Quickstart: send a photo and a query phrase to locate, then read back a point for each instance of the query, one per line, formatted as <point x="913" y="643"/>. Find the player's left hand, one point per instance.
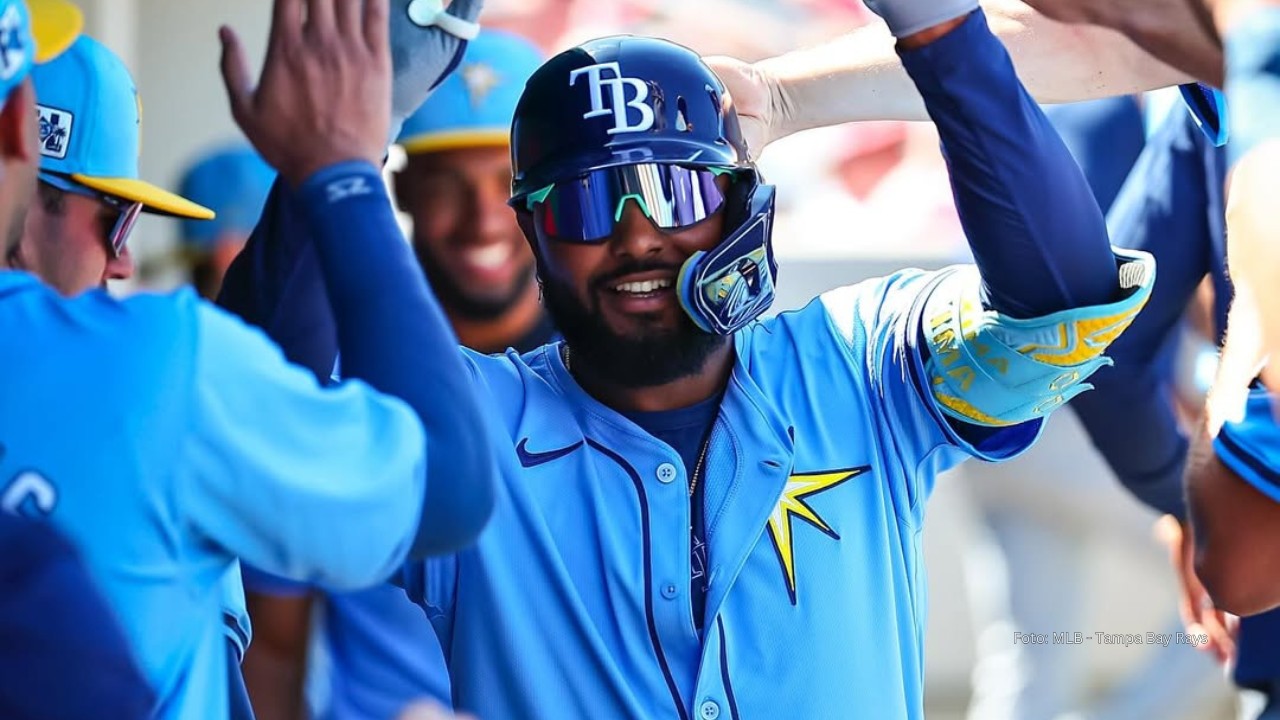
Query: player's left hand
<point x="758" y="98"/>
<point x="1199" y="615"/>
<point x="423" y="56"/>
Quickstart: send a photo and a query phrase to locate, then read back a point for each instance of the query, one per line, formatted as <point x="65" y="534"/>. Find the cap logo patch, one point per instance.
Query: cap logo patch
<point x="620" y="106"/>
<point x="13" y="46"/>
<point x="55" y="131"/>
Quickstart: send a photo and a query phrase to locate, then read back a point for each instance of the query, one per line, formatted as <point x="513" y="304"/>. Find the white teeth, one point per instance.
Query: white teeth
<point x="489" y="256"/>
<point x="644" y="286"/>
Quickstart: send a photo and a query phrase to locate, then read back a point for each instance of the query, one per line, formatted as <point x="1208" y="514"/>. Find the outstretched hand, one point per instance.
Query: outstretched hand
<point x="324" y="95"/>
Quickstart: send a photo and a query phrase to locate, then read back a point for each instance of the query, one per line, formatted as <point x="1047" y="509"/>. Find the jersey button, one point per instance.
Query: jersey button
<point x="666" y="473"/>
<point x="670" y="591"/>
<point x="709" y="710"/>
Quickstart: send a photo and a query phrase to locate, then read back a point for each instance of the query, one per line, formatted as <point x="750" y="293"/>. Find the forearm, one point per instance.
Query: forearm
<point x="393" y="334"/>
<point x="859" y="76"/>
<point x="1032" y="223"/>
<point x="276" y="285"/>
<point x="1131" y="422"/>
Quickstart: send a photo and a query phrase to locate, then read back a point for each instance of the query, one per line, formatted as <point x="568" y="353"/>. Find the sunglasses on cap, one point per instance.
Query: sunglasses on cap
<point x="585" y="209"/>
<point x="117" y="223"/>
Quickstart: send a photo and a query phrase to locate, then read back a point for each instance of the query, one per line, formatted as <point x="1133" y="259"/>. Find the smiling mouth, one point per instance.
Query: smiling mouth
<point x="642" y="287"/>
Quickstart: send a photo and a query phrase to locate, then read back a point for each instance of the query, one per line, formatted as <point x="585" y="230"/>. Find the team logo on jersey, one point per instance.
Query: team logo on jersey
<point x="13" y="46"/>
<point x="794" y="504"/>
<point x="55" y="131"/>
<point x="29" y="494"/>
<point x="609" y="75"/>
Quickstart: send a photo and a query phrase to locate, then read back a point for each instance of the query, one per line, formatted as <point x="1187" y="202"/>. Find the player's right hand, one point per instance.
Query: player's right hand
<point x="324" y="96"/>
<point x="1199" y="615"/>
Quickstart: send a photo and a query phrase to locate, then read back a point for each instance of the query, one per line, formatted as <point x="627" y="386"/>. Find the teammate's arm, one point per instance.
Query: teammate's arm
<point x="390" y="329"/>
<point x="860" y="77"/>
<point x="1233" y="487"/>
<point x="1251" y="33"/>
<point x="1163" y="208"/>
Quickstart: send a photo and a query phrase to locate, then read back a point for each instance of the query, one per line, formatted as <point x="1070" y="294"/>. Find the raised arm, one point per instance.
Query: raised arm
<point x="860" y="77"/>
<point x="391" y="331"/>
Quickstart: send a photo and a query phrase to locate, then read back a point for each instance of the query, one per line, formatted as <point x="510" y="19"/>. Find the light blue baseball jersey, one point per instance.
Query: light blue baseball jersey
<point x="575" y="601"/>
<point x="1251" y="446"/>
<point x="166" y="439"/>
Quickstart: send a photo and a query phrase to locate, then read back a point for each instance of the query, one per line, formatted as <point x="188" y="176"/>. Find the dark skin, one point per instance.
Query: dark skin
<point x="467" y="241"/>
<point x="1237" y="529"/>
<point x="589" y="271"/>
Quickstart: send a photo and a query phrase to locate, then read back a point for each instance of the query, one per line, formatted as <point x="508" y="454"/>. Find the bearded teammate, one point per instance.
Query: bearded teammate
<point x="703" y="514"/>
<point x="161" y="503"/>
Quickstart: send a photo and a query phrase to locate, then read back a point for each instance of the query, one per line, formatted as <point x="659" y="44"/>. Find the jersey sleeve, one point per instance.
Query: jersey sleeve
<point x="879" y="324"/>
<point x="1250" y="446"/>
<point x="320" y="485"/>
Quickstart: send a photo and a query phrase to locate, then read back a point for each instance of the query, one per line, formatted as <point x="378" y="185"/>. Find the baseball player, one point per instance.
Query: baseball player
<point x="233" y="182"/>
<point x="703" y="514"/>
<point x="76" y="234"/>
<point x="57" y="627"/>
<point x="383" y="653"/>
<point x="175" y="467"/>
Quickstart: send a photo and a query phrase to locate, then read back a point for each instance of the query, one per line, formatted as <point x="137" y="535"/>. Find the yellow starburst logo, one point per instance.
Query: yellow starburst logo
<point x="793" y="504"/>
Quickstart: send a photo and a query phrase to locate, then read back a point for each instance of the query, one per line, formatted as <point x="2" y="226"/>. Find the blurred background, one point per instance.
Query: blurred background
<point x="1049" y="543"/>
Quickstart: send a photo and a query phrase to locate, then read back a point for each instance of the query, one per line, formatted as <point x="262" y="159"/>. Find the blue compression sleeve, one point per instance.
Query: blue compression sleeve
<point x="393" y="334"/>
<point x="276" y="285"/>
<point x="1253" y="80"/>
<point x="1105" y="137"/>
<point x="1031" y="220"/>
<point x="1171" y="206"/>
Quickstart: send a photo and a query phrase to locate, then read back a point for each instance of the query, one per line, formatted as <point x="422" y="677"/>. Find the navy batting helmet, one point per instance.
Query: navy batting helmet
<point x="641" y="119"/>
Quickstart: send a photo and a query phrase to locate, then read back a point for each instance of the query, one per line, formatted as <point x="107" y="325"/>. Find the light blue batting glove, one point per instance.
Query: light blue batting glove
<point x="907" y="17"/>
<point x="426" y="44"/>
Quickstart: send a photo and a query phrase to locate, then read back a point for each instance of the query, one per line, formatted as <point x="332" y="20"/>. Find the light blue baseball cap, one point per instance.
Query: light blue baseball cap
<point x="234" y="182"/>
<point x="474" y="106"/>
<point x="33" y="32"/>
<point x="90" y="121"/>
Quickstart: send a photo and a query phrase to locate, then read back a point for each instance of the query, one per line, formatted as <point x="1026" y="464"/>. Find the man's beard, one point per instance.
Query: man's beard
<point x="653" y="358"/>
<point x="462" y="304"/>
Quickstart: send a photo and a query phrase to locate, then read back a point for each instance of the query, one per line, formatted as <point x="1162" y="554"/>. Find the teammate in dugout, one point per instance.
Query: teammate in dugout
<point x="382" y="650"/>
<point x="172" y="478"/>
<point x="706" y="514"/>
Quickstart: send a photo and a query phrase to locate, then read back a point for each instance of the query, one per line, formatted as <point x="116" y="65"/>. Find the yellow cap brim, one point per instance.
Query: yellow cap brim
<point x="441" y="141"/>
<point x="55" y="25"/>
<point x="153" y="199"/>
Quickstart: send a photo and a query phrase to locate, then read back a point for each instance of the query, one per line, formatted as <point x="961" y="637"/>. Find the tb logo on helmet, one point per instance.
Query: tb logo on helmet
<point x="618" y="91"/>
